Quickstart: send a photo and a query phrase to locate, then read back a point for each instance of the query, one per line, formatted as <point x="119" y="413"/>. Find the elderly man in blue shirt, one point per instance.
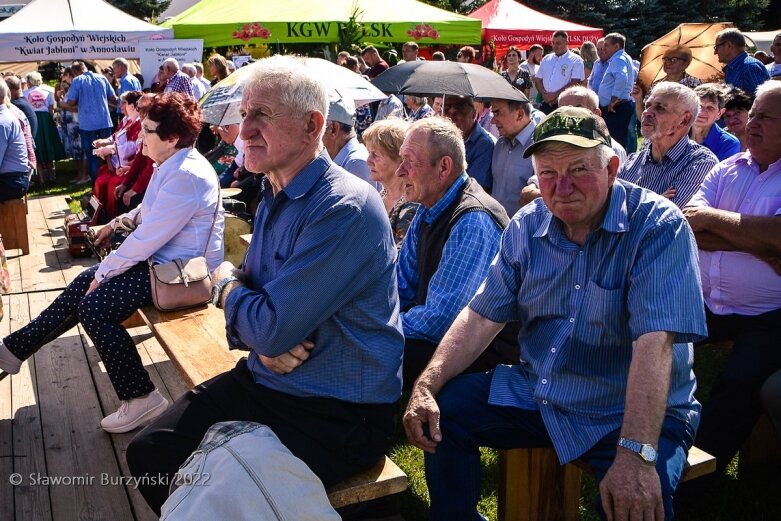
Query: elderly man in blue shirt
<point x="602" y="275"/>
<point x="315" y="302"/>
<point x="615" y="102"/>
<point x="449" y="245"/>
<point x="479" y="143"/>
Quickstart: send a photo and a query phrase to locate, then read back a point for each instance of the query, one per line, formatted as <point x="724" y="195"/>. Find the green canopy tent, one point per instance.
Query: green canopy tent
<point x="237" y="22"/>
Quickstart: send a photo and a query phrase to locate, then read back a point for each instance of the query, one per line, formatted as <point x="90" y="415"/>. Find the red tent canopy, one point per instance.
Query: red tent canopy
<point x="507" y="23"/>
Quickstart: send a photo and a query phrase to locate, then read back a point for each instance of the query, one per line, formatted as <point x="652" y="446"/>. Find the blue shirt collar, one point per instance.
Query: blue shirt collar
<point x="616" y="218"/>
<point x="307" y="177"/>
<point x="475" y="134"/>
<point x="740" y="58"/>
<point x="429" y="215"/>
<point x="674" y="154"/>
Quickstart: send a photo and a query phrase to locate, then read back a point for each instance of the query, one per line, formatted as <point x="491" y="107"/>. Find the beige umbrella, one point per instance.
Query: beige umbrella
<point x="699" y="38"/>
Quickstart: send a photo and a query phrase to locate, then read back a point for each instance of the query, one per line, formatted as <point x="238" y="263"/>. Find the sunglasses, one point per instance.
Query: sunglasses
<point x="672" y="60"/>
<point x="715" y="47"/>
<point x="148" y="130"/>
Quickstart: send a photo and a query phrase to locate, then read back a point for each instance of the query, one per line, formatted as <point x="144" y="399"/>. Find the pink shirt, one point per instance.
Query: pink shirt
<point x="736" y="282"/>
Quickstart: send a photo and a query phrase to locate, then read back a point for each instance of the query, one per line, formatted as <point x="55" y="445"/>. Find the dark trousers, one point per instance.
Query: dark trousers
<point x="734" y="404"/>
<point x="468" y="422"/>
<point x="504" y="349"/>
<point x="618" y="121"/>
<point x="13" y="185"/>
<point x="547" y="108"/>
<point x="101" y="314"/>
<point x="336" y="439"/>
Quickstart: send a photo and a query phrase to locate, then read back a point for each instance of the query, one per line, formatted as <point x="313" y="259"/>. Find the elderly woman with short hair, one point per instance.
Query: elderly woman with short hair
<point x="180" y="217"/>
<point x="383" y="140"/>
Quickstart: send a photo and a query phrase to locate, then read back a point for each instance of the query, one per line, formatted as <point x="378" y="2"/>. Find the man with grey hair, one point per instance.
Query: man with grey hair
<point x="602" y="275"/>
<point x="177" y="81"/>
<point x="14" y="164"/>
<point x="449" y="245"/>
<point x="614" y="90"/>
<point x="669" y="162"/>
<point x="341" y="141"/>
<point x="198" y="89"/>
<point x="509" y="169"/>
<point x="318" y="279"/>
<point x="20" y="102"/>
<point x="740" y="70"/>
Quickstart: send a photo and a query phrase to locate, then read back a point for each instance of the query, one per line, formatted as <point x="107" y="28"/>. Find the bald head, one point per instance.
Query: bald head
<point x="580" y="97"/>
<point x="14" y="85"/>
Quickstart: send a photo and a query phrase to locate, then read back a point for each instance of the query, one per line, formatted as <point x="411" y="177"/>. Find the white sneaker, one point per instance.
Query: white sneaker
<point x="134" y="412"/>
<point x="8" y="362"/>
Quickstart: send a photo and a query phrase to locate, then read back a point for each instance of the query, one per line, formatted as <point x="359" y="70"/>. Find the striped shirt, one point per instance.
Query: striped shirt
<point x="683" y="167"/>
<point x="582" y="307"/>
<point x="745" y="72"/>
<point x="472" y="244"/>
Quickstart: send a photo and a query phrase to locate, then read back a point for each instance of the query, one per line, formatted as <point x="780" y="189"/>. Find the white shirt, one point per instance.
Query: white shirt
<point x="556" y="72"/>
<point x="774" y="69"/>
<point x="174" y="218"/>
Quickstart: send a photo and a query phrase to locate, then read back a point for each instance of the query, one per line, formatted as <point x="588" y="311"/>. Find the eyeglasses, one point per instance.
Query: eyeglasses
<point x="672" y="60"/>
<point x="148" y="130"/>
<point x="718" y="44"/>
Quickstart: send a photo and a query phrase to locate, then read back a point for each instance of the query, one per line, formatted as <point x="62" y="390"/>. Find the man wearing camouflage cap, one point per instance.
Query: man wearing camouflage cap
<point x="603" y="276"/>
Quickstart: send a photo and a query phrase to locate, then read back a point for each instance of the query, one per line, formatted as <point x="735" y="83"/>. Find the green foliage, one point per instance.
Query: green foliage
<point x="144" y="9"/>
<point x="351" y="32"/>
<point x="456" y="6"/>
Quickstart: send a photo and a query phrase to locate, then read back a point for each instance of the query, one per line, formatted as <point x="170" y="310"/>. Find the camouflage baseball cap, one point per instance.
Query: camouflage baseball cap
<point x="573" y="125"/>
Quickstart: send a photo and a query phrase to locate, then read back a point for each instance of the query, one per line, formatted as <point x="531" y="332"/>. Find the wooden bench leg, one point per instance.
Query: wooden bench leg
<point x="13" y="225"/>
<point x="534" y="486"/>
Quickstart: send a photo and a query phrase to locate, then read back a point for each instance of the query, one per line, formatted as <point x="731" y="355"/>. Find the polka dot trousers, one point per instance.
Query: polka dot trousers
<point x="101" y="313"/>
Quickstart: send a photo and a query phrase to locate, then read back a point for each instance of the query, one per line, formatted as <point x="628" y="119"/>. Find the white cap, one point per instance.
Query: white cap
<point x="341" y="110"/>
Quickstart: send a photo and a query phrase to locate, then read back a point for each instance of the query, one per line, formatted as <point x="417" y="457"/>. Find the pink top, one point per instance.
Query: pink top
<point x="736" y="282"/>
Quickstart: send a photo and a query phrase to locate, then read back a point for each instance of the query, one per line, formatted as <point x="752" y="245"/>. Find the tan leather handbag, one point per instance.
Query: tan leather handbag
<point x="183" y="283"/>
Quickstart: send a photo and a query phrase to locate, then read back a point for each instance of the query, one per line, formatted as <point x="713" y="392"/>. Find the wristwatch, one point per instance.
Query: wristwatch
<point x="646" y="451"/>
<point x="218" y="288"/>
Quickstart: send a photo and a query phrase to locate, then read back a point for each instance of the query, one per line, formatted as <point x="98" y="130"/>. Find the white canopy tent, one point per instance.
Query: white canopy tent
<point x="762" y="40"/>
<point x="62" y="30"/>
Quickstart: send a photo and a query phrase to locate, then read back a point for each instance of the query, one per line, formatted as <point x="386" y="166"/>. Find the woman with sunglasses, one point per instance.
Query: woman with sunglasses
<point x="675" y="61"/>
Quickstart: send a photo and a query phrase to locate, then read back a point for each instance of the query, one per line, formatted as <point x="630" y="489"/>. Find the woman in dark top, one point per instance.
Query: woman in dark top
<point x="517" y="77"/>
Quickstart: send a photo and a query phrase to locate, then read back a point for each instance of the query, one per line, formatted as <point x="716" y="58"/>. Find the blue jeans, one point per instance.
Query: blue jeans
<point x="468" y="422"/>
<point x="87" y="137"/>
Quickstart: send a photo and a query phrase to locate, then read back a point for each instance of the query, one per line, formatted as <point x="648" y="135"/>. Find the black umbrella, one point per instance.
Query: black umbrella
<point x="430" y="78"/>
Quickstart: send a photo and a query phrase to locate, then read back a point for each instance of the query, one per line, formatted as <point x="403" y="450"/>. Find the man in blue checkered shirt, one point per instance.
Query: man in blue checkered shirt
<point x="449" y="245"/>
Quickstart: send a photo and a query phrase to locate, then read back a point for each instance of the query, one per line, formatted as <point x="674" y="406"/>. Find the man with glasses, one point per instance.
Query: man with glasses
<point x="557" y="71"/>
<point x="741" y="70"/>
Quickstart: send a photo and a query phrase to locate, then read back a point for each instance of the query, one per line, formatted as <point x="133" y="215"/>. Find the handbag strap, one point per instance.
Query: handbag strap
<point x="214" y="218"/>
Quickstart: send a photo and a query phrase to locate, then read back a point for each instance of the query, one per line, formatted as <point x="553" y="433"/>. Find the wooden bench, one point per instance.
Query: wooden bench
<point x="195" y="342"/>
<point x="13" y="225"/>
<point x="533" y="485"/>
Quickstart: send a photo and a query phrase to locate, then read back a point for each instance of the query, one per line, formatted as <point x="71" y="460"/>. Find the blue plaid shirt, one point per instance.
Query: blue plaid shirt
<point x="473" y="242"/>
<point x="683" y="167"/>
<point x="320" y="266"/>
<point x="746" y="72"/>
<point x="581" y="308"/>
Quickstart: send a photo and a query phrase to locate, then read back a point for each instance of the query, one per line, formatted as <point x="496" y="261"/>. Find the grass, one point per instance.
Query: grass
<point x="66" y="171"/>
<point x="748" y="494"/>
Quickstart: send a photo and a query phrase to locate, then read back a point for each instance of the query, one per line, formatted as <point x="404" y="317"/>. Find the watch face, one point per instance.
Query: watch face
<point x="648" y="453"/>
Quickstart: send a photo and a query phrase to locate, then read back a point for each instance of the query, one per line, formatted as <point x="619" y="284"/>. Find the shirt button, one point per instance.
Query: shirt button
<point x="577" y="286"/>
<point x="552" y="349"/>
<point x="265" y="267"/>
<point x="580" y="252"/>
<point x="545" y="402"/>
<point x="544" y="381"/>
<point x="571" y="320"/>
